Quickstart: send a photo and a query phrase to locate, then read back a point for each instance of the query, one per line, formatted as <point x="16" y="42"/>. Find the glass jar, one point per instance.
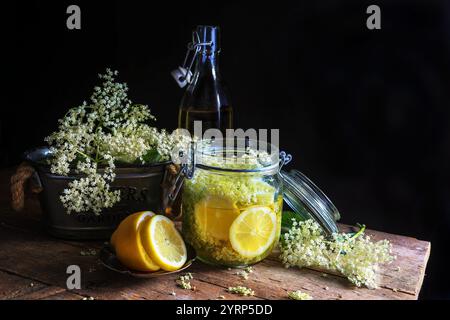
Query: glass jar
<point x="232" y="203"/>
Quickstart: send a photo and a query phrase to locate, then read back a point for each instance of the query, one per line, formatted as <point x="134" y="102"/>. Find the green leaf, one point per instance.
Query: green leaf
<point x="152" y="156"/>
<point x="288" y="217"/>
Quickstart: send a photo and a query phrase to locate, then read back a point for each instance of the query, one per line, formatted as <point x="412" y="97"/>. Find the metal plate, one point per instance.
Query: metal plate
<point x="110" y="261"/>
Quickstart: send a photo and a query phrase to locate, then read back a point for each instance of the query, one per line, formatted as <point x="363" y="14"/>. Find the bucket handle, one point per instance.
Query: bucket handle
<point x="18" y="183"/>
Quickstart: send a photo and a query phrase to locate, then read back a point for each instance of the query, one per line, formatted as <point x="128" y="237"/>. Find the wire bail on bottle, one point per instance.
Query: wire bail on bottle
<point x="187" y="169"/>
<point x="183" y="74"/>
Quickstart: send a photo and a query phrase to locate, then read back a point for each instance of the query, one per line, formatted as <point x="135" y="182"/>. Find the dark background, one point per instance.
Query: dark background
<point x="365" y="113"/>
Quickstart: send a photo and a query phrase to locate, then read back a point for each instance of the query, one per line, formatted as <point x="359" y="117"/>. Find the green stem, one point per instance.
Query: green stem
<point x="96" y="154"/>
<point x="362" y="228"/>
<point x="84" y="155"/>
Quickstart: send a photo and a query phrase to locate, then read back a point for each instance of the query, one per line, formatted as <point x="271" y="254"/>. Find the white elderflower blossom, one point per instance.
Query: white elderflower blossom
<point x="91" y="191"/>
<point x="299" y="295"/>
<point x="353" y="255"/>
<point x="241" y="290"/>
<point x="184" y="282"/>
<point x="94" y="137"/>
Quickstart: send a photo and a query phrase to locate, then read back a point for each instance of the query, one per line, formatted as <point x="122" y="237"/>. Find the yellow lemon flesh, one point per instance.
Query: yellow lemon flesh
<point x="164" y="243"/>
<point x="253" y="231"/>
<point x="127" y="243"/>
<point x="265" y="199"/>
<point x="215" y="215"/>
<point x="266" y="194"/>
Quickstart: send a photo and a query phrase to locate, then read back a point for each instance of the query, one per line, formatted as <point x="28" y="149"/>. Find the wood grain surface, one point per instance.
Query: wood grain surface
<point x="33" y="266"/>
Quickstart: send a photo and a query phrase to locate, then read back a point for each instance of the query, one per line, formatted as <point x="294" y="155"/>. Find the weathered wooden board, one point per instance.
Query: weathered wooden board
<point x="33" y="266"/>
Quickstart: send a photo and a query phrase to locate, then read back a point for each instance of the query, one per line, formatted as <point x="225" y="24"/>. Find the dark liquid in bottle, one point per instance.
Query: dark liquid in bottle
<point x="218" y="119"/>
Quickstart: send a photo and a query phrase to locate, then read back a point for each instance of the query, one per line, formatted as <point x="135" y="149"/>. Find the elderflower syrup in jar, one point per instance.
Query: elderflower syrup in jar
<point x="232" y="203"/>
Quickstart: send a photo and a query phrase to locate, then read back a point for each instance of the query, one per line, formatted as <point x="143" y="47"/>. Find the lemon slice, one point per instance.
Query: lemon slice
<point x="128" y="245"/>
<point x="164" y="243"/>
<point x="264" y="193"/>
<point x="253" y="231"/>
<point x="214" y="216"/>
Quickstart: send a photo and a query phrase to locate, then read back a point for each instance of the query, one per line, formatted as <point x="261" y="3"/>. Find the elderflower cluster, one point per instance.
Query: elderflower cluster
<point x="356" y="257"/>
<point x="94" y="137"/>
<point x="90" y="191"/>
<point x="243" y="291"/>
<point x="184" y="282"/>
<point x="244" y="274"/>
<point x="299" y="295"/>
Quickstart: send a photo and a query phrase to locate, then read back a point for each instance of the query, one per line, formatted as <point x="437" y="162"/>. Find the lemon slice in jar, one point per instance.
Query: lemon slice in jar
<point x="264" y="193"/>
<point x="214" y="216"/>
<point x="253" y="231"/>
<point x="163" y="243"/>
<point x="265" y="198"/>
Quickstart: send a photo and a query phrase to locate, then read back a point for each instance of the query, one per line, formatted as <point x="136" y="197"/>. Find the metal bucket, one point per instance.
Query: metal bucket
<point x="140" y="188"/>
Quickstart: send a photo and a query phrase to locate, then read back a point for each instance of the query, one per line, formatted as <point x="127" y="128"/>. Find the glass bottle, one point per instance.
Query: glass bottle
<point x="206" y="99"/>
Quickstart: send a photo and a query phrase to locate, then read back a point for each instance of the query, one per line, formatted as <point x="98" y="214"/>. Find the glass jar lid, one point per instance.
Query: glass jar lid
<point x="308" y="201"/>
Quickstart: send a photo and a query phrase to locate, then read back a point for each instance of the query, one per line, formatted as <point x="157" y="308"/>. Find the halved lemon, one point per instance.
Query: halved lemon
<point x="214" y="216"/>
<point x="128" y="245"/>
<point x="253" y="231"/>
<point x="164" y="243"/>
<point x="135" y="218"/>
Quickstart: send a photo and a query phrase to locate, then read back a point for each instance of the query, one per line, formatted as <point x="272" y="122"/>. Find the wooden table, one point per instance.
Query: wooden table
<point x="33" y="266"/>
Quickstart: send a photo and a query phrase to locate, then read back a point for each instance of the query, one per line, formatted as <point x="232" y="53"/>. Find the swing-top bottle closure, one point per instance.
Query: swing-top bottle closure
<point x="183" y="73"/>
